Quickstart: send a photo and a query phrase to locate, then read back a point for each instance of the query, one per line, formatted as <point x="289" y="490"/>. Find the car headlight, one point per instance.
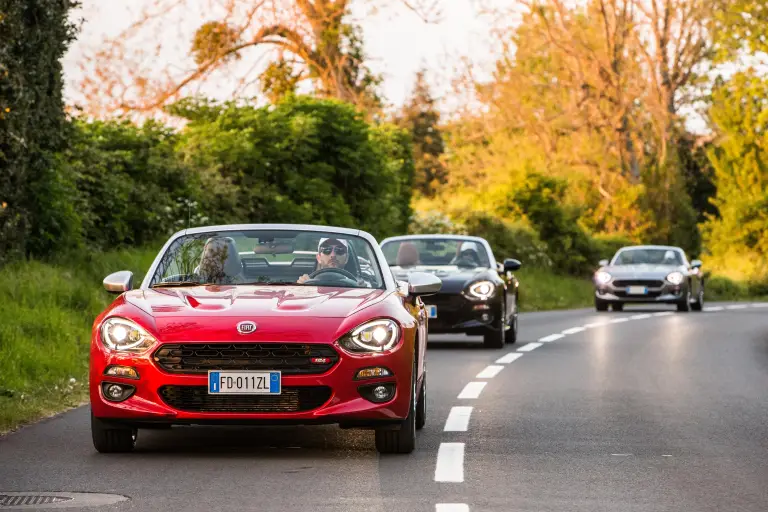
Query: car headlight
<point x="374" y="336"/>
<point x="482" y="289"/>
<point x="123" y="335"/>
<point x="675" y="277"/>
<point x="602" y="277"/>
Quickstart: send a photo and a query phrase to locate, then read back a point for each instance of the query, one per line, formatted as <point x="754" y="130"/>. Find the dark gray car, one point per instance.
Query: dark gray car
<point x="649" y="274"/>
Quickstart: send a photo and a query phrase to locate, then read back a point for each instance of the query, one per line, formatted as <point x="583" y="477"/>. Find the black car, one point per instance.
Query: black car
<point x="479" y="296"/>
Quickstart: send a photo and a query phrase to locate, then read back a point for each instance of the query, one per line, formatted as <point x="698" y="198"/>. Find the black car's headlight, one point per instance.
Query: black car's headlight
<point x="481" y="290"/>
<point x="675" y="277"/>
<point x="375" y="336"/>
<point x="123" y="335"/>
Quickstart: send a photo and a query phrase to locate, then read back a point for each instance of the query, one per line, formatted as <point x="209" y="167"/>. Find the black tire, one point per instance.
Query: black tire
<point x="108" y="438"/>
<point x="494" y="337"/>
<point x="617" y="306"/>
<point x="403" y="440"/>
<point x="684" y="305"/>
<point x="601" y="305"/>
<point x="699" y="304"/>
<point x="421" y="405"/>
<point x="510" y="336"/>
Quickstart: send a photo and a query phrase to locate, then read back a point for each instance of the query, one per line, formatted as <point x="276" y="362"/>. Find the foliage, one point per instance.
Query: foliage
<point x="34" y="210"/>
<point x="303" y="160"/>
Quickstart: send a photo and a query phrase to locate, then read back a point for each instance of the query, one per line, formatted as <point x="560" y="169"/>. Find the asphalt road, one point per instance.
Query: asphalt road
<point x="659" y="412"/>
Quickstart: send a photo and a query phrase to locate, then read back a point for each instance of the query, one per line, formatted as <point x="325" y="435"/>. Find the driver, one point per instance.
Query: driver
<point x="331" y="253"/>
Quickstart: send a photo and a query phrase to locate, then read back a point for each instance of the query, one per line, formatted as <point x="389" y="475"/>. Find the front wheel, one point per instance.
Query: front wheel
<point x="511" y="335"/>
<point x="601" y="305"/>
<point x="698" y="305"/>
<point x="403" y="440"/>
<point x="421" y="405"/>
<point x="111" y="438"/>
<point x="685" y="305"/>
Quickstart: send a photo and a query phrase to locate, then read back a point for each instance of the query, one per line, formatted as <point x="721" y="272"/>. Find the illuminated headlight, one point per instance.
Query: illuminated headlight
<point x="675" y="278"/>
<point x="375" y="336"/>
<point x="123" y="335"/>
<point x="482" y="289"/>
<point x="602" y="277"/>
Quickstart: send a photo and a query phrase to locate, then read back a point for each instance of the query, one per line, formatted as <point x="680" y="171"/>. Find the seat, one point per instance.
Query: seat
<point x="407" y="255"/>
<point x="220" y="262"/>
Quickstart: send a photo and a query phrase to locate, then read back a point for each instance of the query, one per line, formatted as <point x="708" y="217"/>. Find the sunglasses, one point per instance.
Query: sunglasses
<point x="328" y="249"/>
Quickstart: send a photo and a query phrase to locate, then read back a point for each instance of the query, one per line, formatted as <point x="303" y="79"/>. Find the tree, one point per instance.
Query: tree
<point x="311" y="38"/>
<point x="421" y="118"/>
<point x="35" y="212"/>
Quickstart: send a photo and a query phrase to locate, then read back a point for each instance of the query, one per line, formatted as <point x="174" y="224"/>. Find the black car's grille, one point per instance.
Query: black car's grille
<point x="289" y="358"/>
<point x="446" y="302"/>
<point x="291" y="399"/>
<point x="650" y="283"/>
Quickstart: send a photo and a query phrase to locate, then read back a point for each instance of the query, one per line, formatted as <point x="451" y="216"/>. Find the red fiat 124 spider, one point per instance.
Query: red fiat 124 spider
<point x="262" y="324"/>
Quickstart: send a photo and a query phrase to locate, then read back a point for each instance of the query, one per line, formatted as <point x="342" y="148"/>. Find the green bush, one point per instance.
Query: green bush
<point x="722" y="288"/>
<point x="509" y="239"/>
<point x="605" y="246"/>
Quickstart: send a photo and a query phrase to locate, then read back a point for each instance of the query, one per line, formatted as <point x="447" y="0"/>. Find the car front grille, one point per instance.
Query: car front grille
<point x="291" y="399"/>
<point x="651" y="293"/>
<point x="650" y="283"/>
<point x="289" y="358"/>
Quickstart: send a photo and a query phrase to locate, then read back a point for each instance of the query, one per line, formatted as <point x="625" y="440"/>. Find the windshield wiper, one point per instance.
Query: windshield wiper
<point x="172" y="284"/>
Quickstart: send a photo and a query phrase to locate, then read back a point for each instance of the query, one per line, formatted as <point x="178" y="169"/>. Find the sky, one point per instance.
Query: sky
<point x="397" y="41"/>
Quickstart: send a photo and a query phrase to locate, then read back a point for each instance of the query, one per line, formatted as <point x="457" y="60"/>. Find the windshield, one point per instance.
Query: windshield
<point x="648" y="257"/>
<point x="432" y="252"/>
<point x="309" y="258"/>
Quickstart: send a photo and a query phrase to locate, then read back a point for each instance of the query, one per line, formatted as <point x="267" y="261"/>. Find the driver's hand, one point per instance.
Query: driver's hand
<point x="303" y="278"/>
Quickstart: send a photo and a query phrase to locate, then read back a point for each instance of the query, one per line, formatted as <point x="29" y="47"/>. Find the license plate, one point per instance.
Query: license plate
<point x="431" y="311"/>
<point x="244" y="383"/>
<point x="637" y="290"/>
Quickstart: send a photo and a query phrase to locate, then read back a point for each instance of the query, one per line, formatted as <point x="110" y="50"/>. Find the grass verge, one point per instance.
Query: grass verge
<point x="541" y="290"/>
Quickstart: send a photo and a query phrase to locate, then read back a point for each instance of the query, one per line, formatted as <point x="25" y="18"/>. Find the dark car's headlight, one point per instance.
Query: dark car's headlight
<point x="602" y="277"/>
<point x="123" y="335"/>
<point x="481" y="290"/>
<point x="374" y="336"/>
<point x="675" y="277"/>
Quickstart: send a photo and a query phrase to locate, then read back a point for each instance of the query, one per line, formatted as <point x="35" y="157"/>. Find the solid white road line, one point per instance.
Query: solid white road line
<point x="760" y="305"/>
<point x="640" y="317"/>
<point x="552" y="337"/>
<point x="458" y="419"/>
<point x="472" y="390"/>
<point x="512" y="356"/>
<point x="619" y="320"/>
<point x="713" y="308"/>
<point x="489" y="372"/>
<point x="451" y="507"/>
<point x="450" y="463"/>
<point x="664" y="313"/>
<point x="737" y="306"/>
<point x="594" y="324"/>
<point x="573" y="330"/>
<point x="528" y="347"/>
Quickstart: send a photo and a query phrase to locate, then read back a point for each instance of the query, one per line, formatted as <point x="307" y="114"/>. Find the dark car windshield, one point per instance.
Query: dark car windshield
<point x="436" y="252"/>
<point x="648" y="257"/>
<point x="286" y="257"/>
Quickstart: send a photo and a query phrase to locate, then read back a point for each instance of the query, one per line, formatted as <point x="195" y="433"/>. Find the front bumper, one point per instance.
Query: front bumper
<point x="456" y="313"/>
<point x="334" y="396"/>
<point x="656" y="291"/>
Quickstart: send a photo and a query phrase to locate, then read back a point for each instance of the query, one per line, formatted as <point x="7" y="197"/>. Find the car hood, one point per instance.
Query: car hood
<point x="641" y="271"/>
<point x="454" y="279"/>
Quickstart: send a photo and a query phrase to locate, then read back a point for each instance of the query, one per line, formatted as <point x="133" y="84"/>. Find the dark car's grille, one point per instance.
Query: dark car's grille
<point x="289" y="358"/>
<point x="291" y="399"/>
<point x="446" y="302"/>
<point x="650" y="283"/>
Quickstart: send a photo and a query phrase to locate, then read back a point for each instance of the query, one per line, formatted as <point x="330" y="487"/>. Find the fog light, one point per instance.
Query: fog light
<point x="485" y="317"/>
<point x="380" y="393"/>
<point x="372" y="373"/>
<point x="125" y="372"/>
<point x="116" y="392"/>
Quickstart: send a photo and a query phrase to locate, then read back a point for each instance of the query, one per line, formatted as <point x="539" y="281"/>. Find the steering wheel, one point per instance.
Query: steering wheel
<point x="340" y="274"/>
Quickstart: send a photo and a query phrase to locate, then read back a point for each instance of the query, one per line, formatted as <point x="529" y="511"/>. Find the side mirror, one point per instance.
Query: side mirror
<point x="421" y="283"/>
<point x="696" y="264"/>
<point x="119" y="282"/>
<point x="602" y="263"/>
<point x="510" y="265"/>
<point x="499" y="267"/>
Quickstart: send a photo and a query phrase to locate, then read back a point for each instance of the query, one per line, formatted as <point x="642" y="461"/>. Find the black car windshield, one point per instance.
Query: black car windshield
<point x="447" y="253"/>
<point x="647" y="257"/>
<point x="285" y="257"/>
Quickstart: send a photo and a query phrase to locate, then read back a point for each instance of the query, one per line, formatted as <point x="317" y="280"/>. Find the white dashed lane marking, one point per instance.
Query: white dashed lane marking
<point x="472" y="390"/>
<point x="663" y="313"/>
<point x="451" y="507"/>
<point x="528" y="347"/>
<point x="737" y="306"/>
<point x="489" y="372"/>
<point x="619" y="320"/>
<point x="640" y="317"/>
<point x="760" y="305"/>
<point x="450" y="463"/>
<point x="551" y="337"/>
<point x="512" y="356"/>
<point x="458" y="419"/>
<point x="573" y="330"/>
<point x="714" y="308"/>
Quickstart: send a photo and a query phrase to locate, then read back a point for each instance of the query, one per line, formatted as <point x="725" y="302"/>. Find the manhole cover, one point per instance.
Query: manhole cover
<point x="52" y="500"/>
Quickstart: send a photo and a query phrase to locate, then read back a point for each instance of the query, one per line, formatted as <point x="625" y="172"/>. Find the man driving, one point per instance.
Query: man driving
<point x="331" y="253"/>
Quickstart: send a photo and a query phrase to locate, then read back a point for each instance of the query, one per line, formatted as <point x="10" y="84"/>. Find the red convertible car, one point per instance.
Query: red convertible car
<point x="262" y="324"/>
